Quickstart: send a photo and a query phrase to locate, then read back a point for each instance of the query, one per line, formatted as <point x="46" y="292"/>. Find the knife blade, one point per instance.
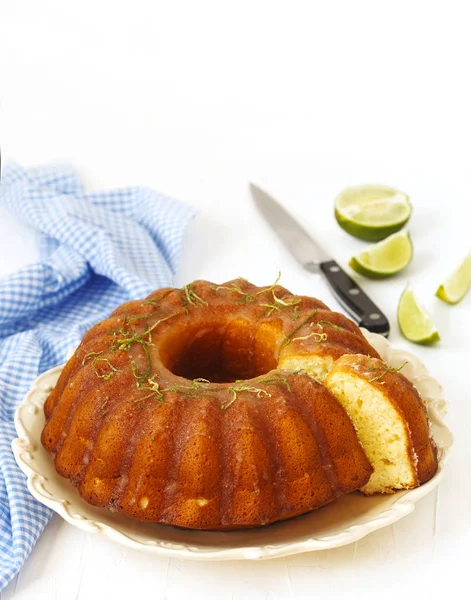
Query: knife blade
<point x="314" y="259"/>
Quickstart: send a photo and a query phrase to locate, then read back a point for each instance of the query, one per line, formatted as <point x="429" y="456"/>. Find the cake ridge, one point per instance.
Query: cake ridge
<point x="274" y="485"/>
<point x="268" y="434"/>
<point x="121" y="411"/>
<point x="309" y="416"/>
<point x="107" y="402"/>
<point x="76" y="377"/>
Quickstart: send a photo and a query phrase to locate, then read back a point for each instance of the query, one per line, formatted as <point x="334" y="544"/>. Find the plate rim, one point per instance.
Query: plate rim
<point x="26" y="450"/>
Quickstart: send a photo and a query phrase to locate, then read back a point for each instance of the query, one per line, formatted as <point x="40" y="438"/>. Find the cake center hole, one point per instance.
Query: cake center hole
<point x="221" y="352"/>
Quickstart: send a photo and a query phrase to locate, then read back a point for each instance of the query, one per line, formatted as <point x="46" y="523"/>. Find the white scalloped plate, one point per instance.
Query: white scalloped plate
<point x="344" y="521"/>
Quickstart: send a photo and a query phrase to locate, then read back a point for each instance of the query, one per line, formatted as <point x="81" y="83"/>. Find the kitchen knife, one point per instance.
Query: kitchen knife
<point x="315" y="260"/>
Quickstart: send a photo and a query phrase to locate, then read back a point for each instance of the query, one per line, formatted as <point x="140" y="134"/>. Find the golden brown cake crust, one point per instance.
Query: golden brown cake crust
<point x="174" y="409"/>
<point x="407" y="400"/>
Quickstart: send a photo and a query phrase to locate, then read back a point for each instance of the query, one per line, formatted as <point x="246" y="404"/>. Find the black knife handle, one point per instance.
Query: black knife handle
<point x="350" y="295"/>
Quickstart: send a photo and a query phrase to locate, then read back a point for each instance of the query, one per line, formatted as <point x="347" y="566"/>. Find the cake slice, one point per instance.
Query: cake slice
<point x="391" y="421"/>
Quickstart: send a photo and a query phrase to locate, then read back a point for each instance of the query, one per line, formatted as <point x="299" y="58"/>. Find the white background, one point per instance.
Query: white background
<point x="304" y="98"/>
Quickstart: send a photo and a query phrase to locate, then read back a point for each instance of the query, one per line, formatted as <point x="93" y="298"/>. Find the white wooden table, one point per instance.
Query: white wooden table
<point x="198" y="98"/>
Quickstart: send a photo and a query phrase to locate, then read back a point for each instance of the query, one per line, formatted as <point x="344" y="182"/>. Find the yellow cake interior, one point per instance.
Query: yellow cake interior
<point x="381" y="430"/>
<point x="316" y="366"/>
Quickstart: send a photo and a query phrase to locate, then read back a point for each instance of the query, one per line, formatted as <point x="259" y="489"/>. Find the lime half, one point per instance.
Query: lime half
<point x="415" y="323"/>
<point x="372" y="212"/>
<point x="457" y="284"/>
<point x="385" y="258"/>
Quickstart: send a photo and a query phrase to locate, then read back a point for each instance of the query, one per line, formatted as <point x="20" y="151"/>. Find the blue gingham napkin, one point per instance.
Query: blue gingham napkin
<point x="97" y="250"/>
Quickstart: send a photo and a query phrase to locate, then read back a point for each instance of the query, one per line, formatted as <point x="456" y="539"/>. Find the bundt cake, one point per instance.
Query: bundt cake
<point x="203" y="407"/>
<point x="390" y="419"/>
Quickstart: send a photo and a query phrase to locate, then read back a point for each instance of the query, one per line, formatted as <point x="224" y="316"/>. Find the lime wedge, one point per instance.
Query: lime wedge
<point x="385" y="258"/>
<point x="372" y="212"/>
<point x="415" y="323"/>
<point x="457" y="284"/>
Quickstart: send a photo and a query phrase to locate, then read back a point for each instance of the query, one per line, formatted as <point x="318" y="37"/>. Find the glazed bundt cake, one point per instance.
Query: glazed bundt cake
<point x="390" y="419"/>
<point x="204" y="408"/>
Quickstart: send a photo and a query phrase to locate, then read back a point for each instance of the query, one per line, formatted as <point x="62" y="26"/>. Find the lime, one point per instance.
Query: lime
<point x="457" y="284"/>
<point x="415" y="323"/>
<point x="385" y="258"/>
<point x="372" y="212"/>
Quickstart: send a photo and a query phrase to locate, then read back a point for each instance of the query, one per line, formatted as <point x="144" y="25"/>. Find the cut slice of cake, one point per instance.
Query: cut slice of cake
<point x="391" y="422"/>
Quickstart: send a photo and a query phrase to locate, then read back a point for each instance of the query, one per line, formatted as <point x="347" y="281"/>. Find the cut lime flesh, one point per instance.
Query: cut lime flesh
<point x="415" y="323"/>
<point x="372" y="212"/>
<point x="385" y="258"/>
<point x="456" y="286"/>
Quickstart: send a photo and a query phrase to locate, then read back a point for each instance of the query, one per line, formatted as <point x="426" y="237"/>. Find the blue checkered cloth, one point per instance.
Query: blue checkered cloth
<point x="97" y="250"/>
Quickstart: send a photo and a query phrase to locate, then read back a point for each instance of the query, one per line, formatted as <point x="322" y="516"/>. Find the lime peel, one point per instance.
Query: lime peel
<point x="456" y="286"/>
